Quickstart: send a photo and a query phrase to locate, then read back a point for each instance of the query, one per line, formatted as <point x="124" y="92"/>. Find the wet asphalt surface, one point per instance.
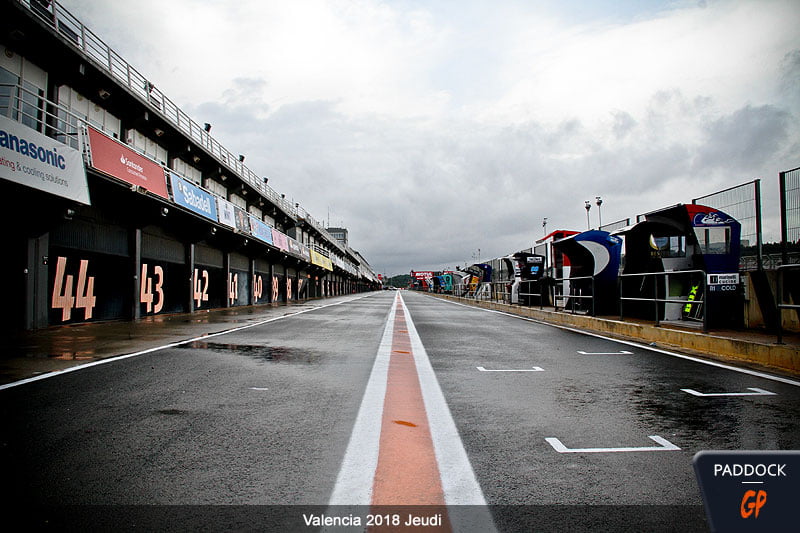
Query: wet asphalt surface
<point x="262" y="417"/>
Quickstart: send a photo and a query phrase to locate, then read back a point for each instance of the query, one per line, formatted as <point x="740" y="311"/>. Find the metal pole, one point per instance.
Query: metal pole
<point x="705" y="304"/>
<point x="655" y="298"/>
<point x="779" y="302"/>
<point x="599" y="202"/>
<point x="784" y="222"/>
<point x="588" y="223"/>
<point x="758" y="224"/>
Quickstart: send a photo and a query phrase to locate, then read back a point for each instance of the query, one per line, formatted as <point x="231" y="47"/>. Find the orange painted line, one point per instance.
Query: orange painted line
<point x="407" y="472"/>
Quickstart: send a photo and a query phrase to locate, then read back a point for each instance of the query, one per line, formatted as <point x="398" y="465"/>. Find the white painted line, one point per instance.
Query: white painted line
<point x="258" y="388"/>
<point x="757" y="392"/>
<point x="533" y="369"/>
<point x="637" y="345"/>
<point x="353" y="487"/>
<point x="623" y="352"/>
<point x="166" y="346"/>
<point x="664" y="445"/>
<point x="459" y="484"/>
<point x="357" y="474"/>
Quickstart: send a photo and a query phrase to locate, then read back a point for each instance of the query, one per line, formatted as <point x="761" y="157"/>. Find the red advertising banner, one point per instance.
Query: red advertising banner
<point x="116" y="159"/>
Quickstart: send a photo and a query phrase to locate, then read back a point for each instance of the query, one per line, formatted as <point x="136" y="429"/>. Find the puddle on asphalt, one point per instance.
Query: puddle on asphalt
<point x="259" y="352"/>
<point x="172" y="412"/>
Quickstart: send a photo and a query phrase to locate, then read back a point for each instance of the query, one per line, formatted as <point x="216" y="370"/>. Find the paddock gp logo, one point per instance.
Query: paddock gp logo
<point x="749" y="491"/>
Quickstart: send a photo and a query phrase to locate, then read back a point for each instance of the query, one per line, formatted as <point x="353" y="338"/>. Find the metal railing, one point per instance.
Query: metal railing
<point x="30" y="109"/>
<point x="691" y="303"/>
<point x="75" y="34"/>
<point x="531" y="295"/>
<point x="780" y="304"/>
<point x="575" y="293"/>
<point x="27" y="107"/>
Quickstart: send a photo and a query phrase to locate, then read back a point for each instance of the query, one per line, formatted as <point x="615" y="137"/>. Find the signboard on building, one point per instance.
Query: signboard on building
<point x="260" y="230"/>
<point x="723" y="282"/>
<point x="193" y="197"/>
<point x="294" y="246"/>
<point x="226" y="213"/>
<point x="29" y="158"/>
<point x="242" y="219"/>
<point x="305" y="253"/>
<point x="115" y="159"/>
<point x="280" y="240"/>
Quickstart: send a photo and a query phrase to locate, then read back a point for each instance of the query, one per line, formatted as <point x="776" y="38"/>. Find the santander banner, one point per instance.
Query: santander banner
<point x="116" y="159"/>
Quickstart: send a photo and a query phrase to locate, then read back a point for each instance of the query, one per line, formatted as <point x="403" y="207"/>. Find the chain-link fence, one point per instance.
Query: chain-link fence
<point x="790" y="213"/>
<point x="743" y="203"/>
<point x="613" y="226"/>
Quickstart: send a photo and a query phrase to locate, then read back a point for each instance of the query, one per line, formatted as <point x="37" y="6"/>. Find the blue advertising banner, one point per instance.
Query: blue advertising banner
<point x="193" y="197"/>
<point x="260" y="230"/>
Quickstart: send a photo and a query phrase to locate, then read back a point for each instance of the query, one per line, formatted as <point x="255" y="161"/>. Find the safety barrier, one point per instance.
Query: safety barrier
<point x="567" y="294"/>
<point x="692" y="305"/>
<point x="575" y="293"/>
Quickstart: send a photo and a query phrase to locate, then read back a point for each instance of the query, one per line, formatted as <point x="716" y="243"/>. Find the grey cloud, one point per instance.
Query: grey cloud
<point x="624" y="123"/>
<point x="746" y="139"/>
<point x="415" y="195"/>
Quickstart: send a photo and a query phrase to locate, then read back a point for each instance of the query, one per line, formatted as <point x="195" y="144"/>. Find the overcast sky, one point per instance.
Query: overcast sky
<point x="432" y="130"/>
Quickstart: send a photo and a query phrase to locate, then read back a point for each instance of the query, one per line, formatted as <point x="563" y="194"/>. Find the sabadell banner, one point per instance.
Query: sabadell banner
<point x="116" y="159"/>
<point x="192" y="197"/>
<point x="29" y="158"/>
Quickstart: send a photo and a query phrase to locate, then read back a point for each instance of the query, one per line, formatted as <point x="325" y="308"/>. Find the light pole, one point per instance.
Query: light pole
<point x="599" y="202"/>
<point x="544" y="225"/>
<point x="588" y="206"/>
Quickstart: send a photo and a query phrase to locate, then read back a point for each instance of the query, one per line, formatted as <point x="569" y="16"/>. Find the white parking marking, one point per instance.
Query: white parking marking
<point x="664" y="445"/>
<point x="533" y="369"/>
<point x="757" y="392"/>
<point x="623" y="352"/>
<point x="636" y="345"/>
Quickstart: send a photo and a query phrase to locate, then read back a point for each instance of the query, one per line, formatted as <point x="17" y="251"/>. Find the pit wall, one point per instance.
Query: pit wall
<point x="759" y="303"/>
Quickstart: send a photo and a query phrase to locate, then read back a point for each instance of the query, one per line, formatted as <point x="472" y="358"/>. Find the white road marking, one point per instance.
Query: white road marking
<point x="623" y="352"/>
<point x="166" y="346"/>
<point x="756" y="392"/>
<point x="356" y="476"/>
<point x="664" y="445"/>
<point x="459" y="483"/>
<point x="533" y="369"/>
<point x="637" y="345"/>
<point x="258" y="388"/>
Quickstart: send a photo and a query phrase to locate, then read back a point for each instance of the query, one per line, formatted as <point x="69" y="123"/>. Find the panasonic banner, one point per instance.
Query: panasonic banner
<point x="29" y="158"/>
<point x="193" y="197"/>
